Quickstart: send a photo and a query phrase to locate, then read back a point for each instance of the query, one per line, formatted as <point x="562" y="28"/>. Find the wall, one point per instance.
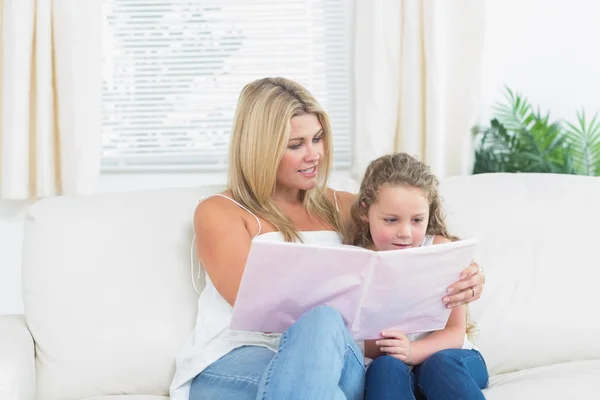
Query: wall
<point x="545" y="49"/>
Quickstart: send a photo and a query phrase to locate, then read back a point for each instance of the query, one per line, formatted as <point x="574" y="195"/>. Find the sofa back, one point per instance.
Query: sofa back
<point x="539" y="247"/>
<point x="109" y="301"/>
<point x="12" y="218"/>
<point x="107" y="290"/>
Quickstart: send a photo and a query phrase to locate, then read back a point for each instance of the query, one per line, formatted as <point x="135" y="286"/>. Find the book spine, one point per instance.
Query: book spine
<point x="372" y="263"/>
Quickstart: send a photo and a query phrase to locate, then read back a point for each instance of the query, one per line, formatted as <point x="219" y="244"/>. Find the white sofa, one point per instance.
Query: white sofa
<point x="109" y="300"/>
<point x="12" y="218"/>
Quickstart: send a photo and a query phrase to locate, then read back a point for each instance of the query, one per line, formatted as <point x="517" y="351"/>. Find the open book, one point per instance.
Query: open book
<point x="374" y="291"/>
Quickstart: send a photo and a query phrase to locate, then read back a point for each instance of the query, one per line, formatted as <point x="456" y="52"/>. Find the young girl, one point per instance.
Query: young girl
<point x="399" y="207"/>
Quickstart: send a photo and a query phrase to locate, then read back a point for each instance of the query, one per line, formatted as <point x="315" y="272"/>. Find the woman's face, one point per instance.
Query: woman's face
<point x="299" y="165"/>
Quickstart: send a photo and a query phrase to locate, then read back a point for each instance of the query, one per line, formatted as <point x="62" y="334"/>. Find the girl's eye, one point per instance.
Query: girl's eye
<point x="418" y="220"/>
<point x="390" y="220"/>
<point x="295" y="146"/>
<point x="317" y="139"/>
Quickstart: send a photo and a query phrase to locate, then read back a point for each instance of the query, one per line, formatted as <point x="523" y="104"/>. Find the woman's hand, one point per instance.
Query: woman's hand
<point x="397" y="345"/>
<point x="467" y="289"/>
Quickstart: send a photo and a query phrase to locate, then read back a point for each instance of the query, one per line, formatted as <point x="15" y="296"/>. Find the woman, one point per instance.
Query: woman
<point x="279" y="164"/>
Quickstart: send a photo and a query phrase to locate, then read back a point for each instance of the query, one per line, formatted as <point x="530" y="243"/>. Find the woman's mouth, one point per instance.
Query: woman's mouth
<point x="309" y="172"/>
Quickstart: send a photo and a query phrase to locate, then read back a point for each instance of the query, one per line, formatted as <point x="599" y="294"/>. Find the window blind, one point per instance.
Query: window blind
<point x="173" y="70"/>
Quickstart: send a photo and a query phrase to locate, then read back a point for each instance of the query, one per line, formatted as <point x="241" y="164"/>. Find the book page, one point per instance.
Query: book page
<point x="407" y="286"/>
<point x="282" y="281"/>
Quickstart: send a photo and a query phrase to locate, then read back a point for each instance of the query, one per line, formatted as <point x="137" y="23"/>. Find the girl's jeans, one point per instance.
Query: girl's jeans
<point x="452" y="374"/>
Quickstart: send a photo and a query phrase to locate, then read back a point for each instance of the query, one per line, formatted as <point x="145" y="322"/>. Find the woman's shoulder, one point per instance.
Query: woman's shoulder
<point x="217" y="206"/>
<point x="343" y="199"/>
<point x="221" y="211"/>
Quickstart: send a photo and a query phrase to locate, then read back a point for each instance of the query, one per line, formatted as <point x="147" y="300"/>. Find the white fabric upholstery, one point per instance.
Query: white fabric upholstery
<point x="12" y="217"/>
<point x="128" y="397"/>
<point x="108" y="298"/>
<point x="573" y="380"/>
<point x="107" y="291"/>
<point x="539" y="248"/>
<point x="17" y="363"/>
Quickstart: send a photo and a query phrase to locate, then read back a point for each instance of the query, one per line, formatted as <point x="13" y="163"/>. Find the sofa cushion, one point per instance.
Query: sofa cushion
<point x="539" y="247"/>
<point x="574" y="380"/>
<point x="128" y="397"/>
<point x="107" y="290"/>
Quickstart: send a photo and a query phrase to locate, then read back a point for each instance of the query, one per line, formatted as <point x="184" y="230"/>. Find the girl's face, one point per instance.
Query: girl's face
<point x="399" y="218"/>
<point x="299" y="166"/>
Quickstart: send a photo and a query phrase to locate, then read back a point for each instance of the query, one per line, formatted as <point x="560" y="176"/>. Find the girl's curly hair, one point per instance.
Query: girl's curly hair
<point x="396" y="169"/>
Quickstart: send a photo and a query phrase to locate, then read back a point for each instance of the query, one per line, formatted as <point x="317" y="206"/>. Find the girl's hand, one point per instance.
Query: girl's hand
<point x="467" y="289"/>
<point x="395" y="344"/>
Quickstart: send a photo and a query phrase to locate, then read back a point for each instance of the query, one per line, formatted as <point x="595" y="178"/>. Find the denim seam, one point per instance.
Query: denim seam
<point x="229" y="377"/>
<point x="269" y="372"/>
<point x="358" y="358"/>
<point x="410" y="383"/>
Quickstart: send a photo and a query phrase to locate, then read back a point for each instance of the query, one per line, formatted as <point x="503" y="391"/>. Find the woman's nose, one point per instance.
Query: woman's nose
<point x="312" y="155"/>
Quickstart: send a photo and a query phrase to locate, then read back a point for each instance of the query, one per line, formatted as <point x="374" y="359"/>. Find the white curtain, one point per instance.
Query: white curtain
<point x="50" y="77"/>
<point x="417" y="80"/>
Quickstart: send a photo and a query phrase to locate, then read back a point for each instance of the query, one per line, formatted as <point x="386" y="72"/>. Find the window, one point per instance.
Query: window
<point x="173" y="70"/>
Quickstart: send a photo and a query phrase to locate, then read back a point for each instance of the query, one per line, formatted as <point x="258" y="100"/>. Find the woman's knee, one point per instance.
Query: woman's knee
<point x="325" y="318"/>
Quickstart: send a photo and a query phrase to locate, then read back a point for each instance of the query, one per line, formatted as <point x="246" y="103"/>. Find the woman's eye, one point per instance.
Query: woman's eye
<point x="317" y="139"/>
<point x="294" y="146"/>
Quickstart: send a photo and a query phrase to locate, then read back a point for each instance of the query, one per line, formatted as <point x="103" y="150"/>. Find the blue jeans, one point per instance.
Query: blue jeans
<point x="452" y="374"/>
<point x="317" y="359"/>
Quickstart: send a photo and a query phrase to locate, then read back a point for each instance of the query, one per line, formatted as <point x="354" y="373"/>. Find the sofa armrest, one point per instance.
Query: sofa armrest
<point x="17" y="359"/>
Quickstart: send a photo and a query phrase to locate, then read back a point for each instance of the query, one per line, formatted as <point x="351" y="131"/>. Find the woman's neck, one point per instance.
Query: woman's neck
<point x="287" y="196"/>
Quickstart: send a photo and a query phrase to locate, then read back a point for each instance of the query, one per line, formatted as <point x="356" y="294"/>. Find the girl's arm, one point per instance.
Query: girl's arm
<point x="414" y="353"/>
<point x="451" y="337"/>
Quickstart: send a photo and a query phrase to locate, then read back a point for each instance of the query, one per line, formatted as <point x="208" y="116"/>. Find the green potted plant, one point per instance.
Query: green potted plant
<point x="522" y="139"/>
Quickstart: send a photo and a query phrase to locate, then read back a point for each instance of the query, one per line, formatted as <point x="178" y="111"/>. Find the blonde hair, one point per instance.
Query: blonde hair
<point x="398" y="169"/>
<point x="260" y="135"/>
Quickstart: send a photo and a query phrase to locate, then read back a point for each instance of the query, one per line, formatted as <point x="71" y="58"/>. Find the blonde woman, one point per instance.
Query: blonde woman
<point x="279" y="164"/>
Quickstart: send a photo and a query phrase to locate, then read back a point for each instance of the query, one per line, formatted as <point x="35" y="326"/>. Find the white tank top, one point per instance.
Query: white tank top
<point x="211" y="338"/>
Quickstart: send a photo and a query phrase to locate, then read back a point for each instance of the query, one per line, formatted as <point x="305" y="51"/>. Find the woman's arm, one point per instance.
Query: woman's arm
<point x="222" y="243"/>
